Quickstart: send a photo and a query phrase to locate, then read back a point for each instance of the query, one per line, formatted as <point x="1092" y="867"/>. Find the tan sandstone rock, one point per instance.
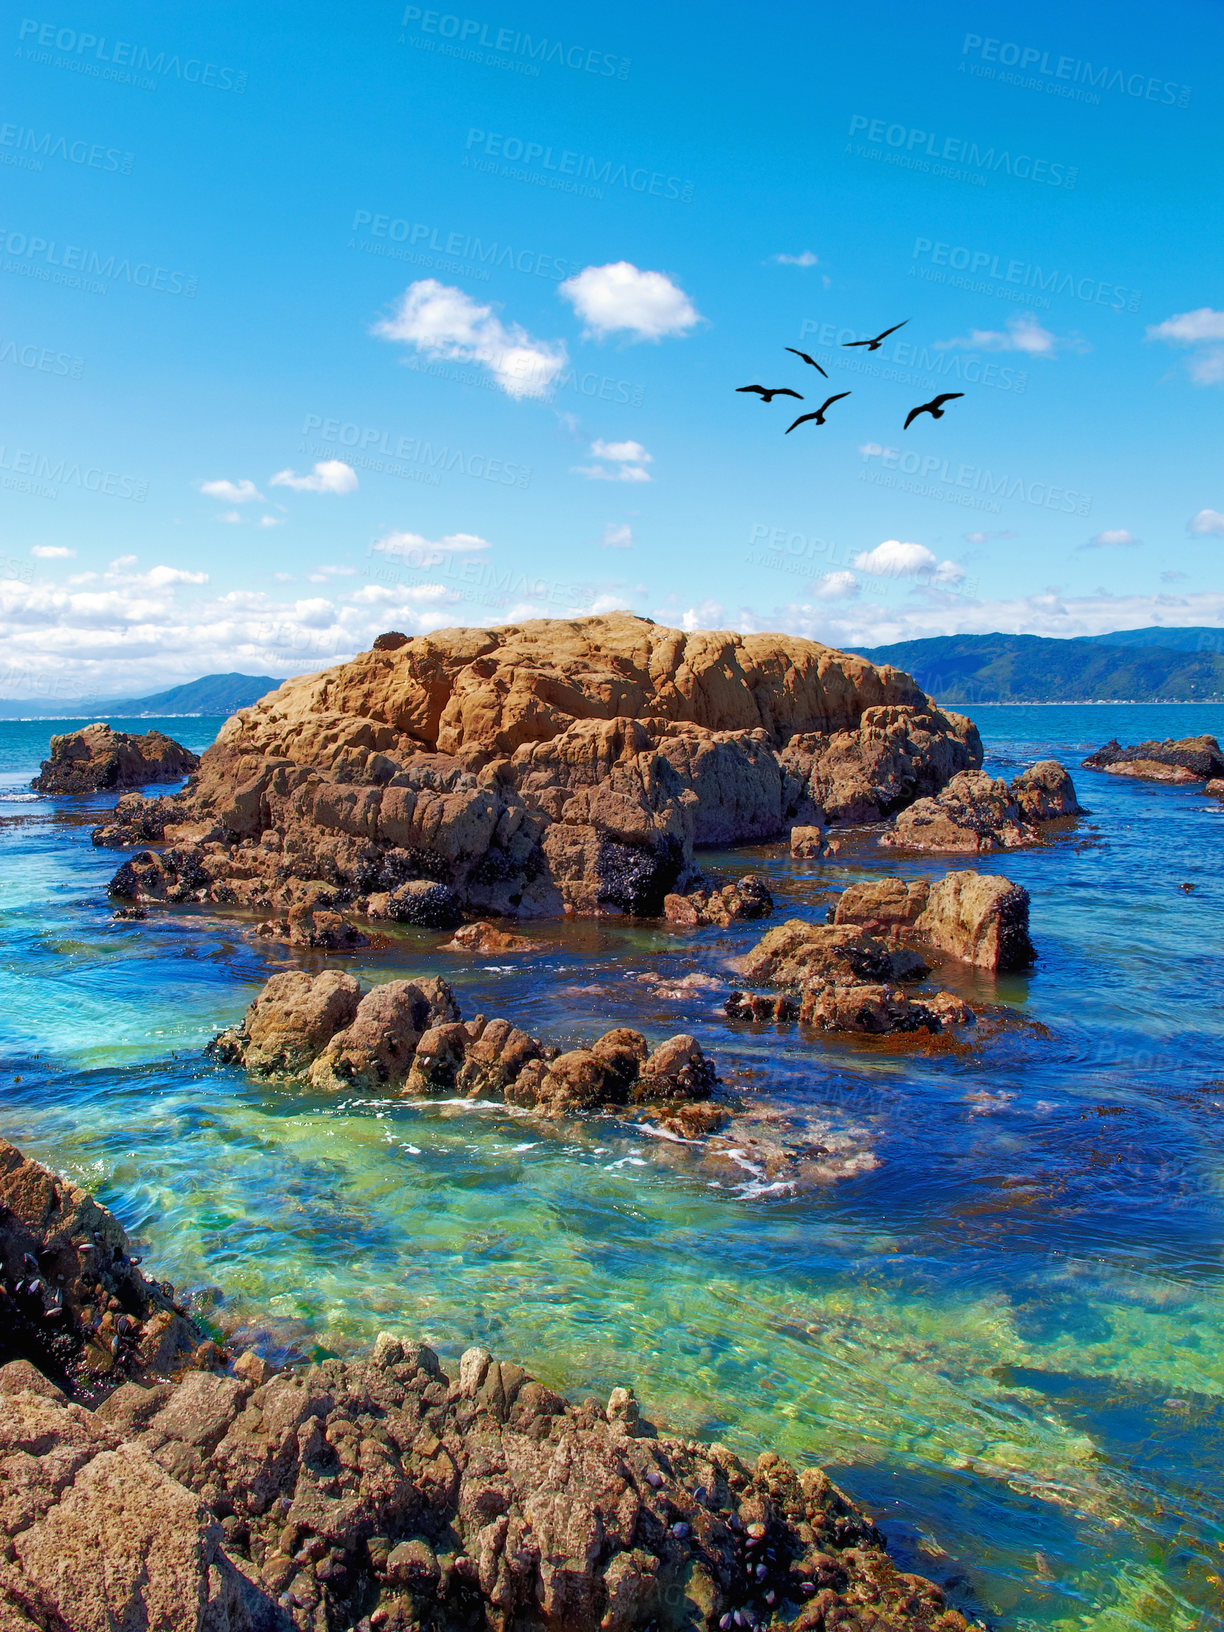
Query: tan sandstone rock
<point x="96" y="758"/>
<point x="977" y="813"/>
<point x="534" y="769"/>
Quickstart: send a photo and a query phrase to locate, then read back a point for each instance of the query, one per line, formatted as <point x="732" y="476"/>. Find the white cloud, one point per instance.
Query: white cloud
<point x="442" y="321"/>
<point x="1201" y="329"/>
<point x="628" y="460"/>
<point x="617" y="536"/>
<point x="621" y="299"/>
<point x="242" y="492"/>
<point x="948" y="573"/>
<point x="1023" y="333"/>
<point x="1114" y="538"/>
<point x="1189" y="328"/>
<point x="893" y="559"/>
<point x="705" y="615"/>
<point x="837" y="586"/>
<point x="232" y="517"/>
<point x="52" y="552"/>
<point x="271" y="521"/>
<point x="163" y="577"/>
<point x="984" y="538"/>
<point x="1206" y="523"/>
<point x="623" y="452"/>
<point x="414" y="545"/>
<point x="1172" y="576"/>
<point x="328" y="476"/>
<point x="875" y="450"/>
<point x="804" y="259"/>
<point x="324" y="574"/>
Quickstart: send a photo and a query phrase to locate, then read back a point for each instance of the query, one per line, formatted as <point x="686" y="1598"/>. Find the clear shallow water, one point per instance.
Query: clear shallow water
<point x="1002" y="1329"/>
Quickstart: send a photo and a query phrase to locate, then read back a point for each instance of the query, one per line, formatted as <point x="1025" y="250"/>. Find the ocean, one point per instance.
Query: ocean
<point x="999" y="1322"/>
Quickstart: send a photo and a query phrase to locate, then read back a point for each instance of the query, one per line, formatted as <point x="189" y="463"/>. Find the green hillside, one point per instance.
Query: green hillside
<point x="996" y="668"/>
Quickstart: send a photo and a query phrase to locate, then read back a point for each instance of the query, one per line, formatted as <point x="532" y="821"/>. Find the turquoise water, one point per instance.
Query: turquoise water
<point x="1000" y="1321"/>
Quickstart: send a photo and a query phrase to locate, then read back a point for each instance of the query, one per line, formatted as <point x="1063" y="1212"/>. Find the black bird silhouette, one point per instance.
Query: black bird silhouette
<point x="818" y="416"/>
<point x="874" y="345"/>
<point x="807" y="359"/>
<point x="935" y="407"/>
<point x="768" y="393"/>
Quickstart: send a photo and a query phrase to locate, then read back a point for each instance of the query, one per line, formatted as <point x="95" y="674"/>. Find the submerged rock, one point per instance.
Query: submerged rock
<point x="408" y="1037"/>
<point x="96" y="758"/>
<point x="554" y="766"/>
<point x="979" y="813"/>
<point x="485" y="938"/>
<point x="748" y="897"/>
<point x="306" y="925"/>
<point x="384" y="1492"/>
<point x="1184" y="759"/>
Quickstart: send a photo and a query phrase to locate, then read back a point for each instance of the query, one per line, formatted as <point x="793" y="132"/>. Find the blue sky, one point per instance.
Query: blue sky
<point x="437" y="317"/>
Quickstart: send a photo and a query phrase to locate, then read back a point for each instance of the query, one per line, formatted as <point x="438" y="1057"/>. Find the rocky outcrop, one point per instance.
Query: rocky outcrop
<point x="1185" y="759"/>
<point x="408" y="1037"/>
<point x="97" y="758"/>
<point x="977" y="813"/>
<point x="535" y="769"/>
<point x="977" y="918"/>
<point x="840" y="977"/>
<point x="856" y="973"/>
<point x="749" y="897"/>
<point x="383" y="1492"/>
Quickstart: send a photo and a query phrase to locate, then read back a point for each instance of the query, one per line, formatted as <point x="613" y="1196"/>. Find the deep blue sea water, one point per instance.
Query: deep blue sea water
<point x="1000" y="1323"/>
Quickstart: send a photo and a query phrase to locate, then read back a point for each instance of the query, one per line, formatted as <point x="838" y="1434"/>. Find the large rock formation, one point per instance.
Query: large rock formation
<point x="539" y="768"/>
<point x="384" y="1493"/>
<point x="1184" y="759"/>
<point x="97" y="758"/>
<point x="408" y="1037"/>
<point x="977" y="813"/>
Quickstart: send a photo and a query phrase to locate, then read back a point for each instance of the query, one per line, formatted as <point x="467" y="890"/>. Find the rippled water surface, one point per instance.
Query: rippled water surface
<point x="999" y="1323"/>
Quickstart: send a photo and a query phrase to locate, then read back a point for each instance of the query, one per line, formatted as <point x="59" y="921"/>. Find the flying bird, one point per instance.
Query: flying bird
<point x="807" y="359"/>
<point x="874" y="345"/>
<point x="768" y="393"/>
<point x="818" y="416"/>
<point x="935" y="407"/>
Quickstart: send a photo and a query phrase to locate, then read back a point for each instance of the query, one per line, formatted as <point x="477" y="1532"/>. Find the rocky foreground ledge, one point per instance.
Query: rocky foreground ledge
<point x="540" y="768"/>
<point x="150" y="1480"/>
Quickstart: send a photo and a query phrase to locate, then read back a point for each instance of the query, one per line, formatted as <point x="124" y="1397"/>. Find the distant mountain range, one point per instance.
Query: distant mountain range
<point x="1131" y="665"/>
<point x="213" y="694"/>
